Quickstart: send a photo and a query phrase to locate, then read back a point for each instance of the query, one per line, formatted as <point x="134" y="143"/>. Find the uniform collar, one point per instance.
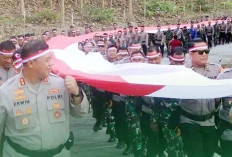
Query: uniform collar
<point x="206" y="67"/>
<point x="23" y="83"/>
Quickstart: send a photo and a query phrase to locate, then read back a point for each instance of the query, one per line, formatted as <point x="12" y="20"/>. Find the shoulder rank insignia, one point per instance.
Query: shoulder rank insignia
<point x="22" y="82"/>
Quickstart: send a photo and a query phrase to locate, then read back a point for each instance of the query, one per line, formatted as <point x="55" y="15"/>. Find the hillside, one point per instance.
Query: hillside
<point x="40" y="16"/>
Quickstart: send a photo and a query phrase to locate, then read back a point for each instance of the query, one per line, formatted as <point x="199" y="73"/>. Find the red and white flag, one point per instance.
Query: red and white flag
<point x="135" y="79"/>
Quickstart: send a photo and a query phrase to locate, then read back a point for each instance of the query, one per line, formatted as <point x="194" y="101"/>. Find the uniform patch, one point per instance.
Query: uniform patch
<point x="28" y="110"/>
<point x="19" y="113"/>
<point x="18" y="91"/>
<point x="54" y="91"/>
<point x="57" y="114"/>
<point x="19" y="97"/>
<point x="56" y="106"/>
<point x="25" y="121"/>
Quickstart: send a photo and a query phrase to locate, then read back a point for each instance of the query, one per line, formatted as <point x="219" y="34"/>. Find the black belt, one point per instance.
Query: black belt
<point x="196" y="117"/>
<point x="35" y="153"/>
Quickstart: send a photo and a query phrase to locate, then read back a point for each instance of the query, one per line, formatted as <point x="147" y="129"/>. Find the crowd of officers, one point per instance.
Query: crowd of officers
<point x="147" y="126"/>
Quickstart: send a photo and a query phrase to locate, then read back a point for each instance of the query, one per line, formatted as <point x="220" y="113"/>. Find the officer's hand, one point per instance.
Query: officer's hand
<point x="71" y="85"/>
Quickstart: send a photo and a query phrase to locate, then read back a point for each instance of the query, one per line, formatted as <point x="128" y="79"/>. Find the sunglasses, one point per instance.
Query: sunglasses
<point x="201" y="52"/>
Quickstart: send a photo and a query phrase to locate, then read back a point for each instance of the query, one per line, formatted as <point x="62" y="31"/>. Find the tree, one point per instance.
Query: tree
<point x="103" y="3"/>
<point x="130" y="8"/>
<point x="22" y="7"/>
<point x="62" y="11"/>
<point x="75" y="3"/>
<point x="81" y="4"/>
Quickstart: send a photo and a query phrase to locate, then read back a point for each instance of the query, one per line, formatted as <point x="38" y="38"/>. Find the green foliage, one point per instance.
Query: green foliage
<point x="45" y="16"/>
<point x="99" y="14"/>
<point x="227" y="4"/>
<point x="205" y="5"/>
<point x="159" y="7"/>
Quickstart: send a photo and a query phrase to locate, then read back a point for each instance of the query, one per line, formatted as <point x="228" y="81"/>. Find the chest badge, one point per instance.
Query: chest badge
<point x="28" y="110"/>
<point x="25" y="121"/>
<point x="56" y="106"/>
<point x="57" y="114"/>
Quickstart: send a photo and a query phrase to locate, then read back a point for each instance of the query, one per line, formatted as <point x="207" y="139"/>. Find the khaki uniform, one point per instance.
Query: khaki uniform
<point x="201" y="107"/>
<point x="197" y="120"/>
<point x="37" y="117"/>
<point x="5" y="75"/>
<point x="226" y="110"/>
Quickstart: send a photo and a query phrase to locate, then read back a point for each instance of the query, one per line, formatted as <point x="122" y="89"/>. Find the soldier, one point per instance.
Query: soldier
<point x="111" y="40"/>
<point x="7" y="49"/>
<point x="222" y="35"/>
<point x="216" y="33"/>
<point x="168" y="37"/>
<point x="203" y="32"/>
<point x="177" y="56"/>
<point x="209" y="33"/>
<point x="35" y="107"/>
<point x="198" y="31"/>
<point x="228" y="31"/>
<point x="186" y="38"/>
<point x="197" y="116"/>
<point x="143" y="39"/>
<point x="225" y="123"/>
<point x="159" y="42"/>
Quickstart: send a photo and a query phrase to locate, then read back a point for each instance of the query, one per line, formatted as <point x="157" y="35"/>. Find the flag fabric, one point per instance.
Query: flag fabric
<point x="135" y="79"/>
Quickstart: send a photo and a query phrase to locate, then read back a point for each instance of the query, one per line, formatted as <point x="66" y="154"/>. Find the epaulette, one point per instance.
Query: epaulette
<point x="227" y="70"/>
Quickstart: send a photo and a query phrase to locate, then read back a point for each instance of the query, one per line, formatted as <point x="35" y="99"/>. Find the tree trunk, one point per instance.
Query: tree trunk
<point x="81" y="4"/>
<point x="111" y="3"/>
<point x="51" y="4"/>
<point x="103" y="3"/>
<point x="130" y="8"/>
<point x="22" y="7"/>
<point x="62" y="11"/>
<point x="75" y="3"/>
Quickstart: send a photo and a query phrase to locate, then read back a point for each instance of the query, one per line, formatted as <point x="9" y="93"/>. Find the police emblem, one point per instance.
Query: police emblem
<point x="54" y="91"/>
<point x="20" y="97"/>
<point x="19" y="113"/>
<point x="57" y="114"/>
<point x="18" y="91"/>
<point x="56" y="106"/>
<point x="25" y="121"/>
<point x="28" y="110"/>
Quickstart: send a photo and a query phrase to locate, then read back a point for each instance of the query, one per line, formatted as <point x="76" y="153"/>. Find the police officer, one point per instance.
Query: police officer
<point x="225" y="123"/>
<point x="222" y="35"/>
<point x="197" y="116"/>
<point x="35" y="107"/>
<point x="159" y="42"/>
<point x="143" y="39"/>
<point x="209" y="34"/>
<point x="7" y="49"/>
